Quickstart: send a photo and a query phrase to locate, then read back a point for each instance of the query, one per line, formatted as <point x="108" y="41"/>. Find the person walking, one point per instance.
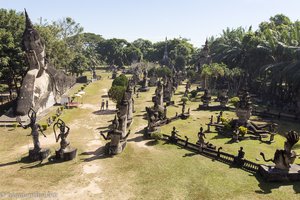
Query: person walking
<point x="102" y="105"/>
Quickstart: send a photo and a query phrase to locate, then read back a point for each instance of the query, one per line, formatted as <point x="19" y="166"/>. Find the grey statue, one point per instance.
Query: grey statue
<point x="64" y="132"/>
<point x="285" y="157"/>
<point x="35" y="128"/>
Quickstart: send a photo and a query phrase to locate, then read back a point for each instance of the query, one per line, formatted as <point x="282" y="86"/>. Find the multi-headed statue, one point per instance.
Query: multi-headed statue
<point x="283" y="158"/>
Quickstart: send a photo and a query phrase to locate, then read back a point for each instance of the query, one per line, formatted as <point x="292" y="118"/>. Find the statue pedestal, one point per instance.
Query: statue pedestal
<point x="35" y="155"/>
<point x="270" y="173"/>
<point x="67" y="154"/>
<point x="114" y="150"/>
<point x="144" y="89"/>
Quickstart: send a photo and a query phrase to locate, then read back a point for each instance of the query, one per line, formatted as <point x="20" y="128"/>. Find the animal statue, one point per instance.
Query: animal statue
<point x="283" y="158"/>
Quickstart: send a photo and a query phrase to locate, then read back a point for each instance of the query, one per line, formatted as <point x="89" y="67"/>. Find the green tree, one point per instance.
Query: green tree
<point x="12" y="58"/>
<point x="117" y="91"/>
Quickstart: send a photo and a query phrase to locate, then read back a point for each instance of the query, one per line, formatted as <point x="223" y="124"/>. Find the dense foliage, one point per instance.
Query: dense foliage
<point x="117" y="90"/>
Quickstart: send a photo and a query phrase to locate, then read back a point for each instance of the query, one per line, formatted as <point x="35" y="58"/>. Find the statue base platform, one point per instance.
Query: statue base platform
<point x="184" y="115"/>
<point x="35" y="155"/>
<point x="270" y="173"/>
<point x="144" y="89"/>
<point x="170" y="103"/>
<point x="114" y="150"/>
<point x="204" y="107"/>
<point x="148" y="132"/>
<point x="68" y="154"/>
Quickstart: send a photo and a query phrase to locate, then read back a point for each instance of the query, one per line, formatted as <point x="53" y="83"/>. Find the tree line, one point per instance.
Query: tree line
<point x="266" y="58"/>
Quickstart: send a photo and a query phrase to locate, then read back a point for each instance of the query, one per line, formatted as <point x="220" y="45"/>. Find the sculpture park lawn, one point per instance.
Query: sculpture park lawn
<point x="145" y="170"/>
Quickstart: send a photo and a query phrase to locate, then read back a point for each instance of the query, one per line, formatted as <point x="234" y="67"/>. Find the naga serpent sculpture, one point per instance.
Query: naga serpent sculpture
<point x="283" y="158"/>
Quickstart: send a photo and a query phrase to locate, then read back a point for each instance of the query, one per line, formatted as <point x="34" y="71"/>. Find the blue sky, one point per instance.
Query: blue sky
<point x="156" y="19"/>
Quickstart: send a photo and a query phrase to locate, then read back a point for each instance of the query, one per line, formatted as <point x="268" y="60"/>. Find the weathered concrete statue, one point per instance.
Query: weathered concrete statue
<point x="65" y="152"/>
<point x="130" y="103"/>
<point x="206" y="98"/>
<point x="244" y="107"/>
<point x="35" y="153"/>
<point x="285" y="157"/>
<point x="118" y="136"/>
<point x="43" y="85"/>
<point x="145" y="87"/>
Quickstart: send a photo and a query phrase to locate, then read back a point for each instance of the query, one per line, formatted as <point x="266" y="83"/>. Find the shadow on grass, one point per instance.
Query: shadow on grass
<point x="219" y="136"/>
<point x="152" y="143"/>
<point x="103" y="127"/>
<point x="189" y="154"/>
<point x="267" y="187"/>
<point x="99" y="153"/>
<point x="104" y="112"/>
<point x="51" y="161"/>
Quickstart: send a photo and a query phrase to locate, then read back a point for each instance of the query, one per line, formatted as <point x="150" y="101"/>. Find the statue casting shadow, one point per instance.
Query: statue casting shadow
<point x="41" y="163"/>
<point x="104" y="112"/>
<point x="97" y="154"/>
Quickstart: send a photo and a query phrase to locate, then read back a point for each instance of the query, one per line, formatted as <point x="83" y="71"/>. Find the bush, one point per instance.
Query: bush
<point x="121" y="80"/>
<point x="184" y="99"/>
<point x="234" y="101"/>
<point x="243" y="130"/>
<point x="224" y="120"/>
<point x="44" y="127"/>
<point x="163" y="71"/>
<point x="116" y="93"/>
<point x="54" y="117"/>
<point x="194" y="93"/>
<point x="156" y="136"/>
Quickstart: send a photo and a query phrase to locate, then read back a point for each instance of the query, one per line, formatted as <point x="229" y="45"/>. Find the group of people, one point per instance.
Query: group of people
<point x="104" y="103"/>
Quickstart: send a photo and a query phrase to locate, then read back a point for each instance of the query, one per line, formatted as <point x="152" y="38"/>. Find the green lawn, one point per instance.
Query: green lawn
<point x="143" y="170"/>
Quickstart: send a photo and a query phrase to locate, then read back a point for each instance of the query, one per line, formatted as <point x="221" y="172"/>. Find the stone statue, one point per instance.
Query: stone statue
<point x="206" y="98"/>
<point x="65" y="152"/>
<point x="244" y="107"/>
<point x="285" y="157"/>
<point x="42" y="85"/>
<point x="118" y="136"/>
<point x="174" y="135"/>
<point x="35" y="153"/>
<point x="201" y="136"/>
<point x="145" y="87"/>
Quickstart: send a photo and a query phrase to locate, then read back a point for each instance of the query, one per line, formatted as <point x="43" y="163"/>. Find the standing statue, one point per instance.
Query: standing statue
<point x="285" y="157"/>
<point x="65" y="152"/>
<point x="201" y="137"/>
<point x="35" y="153"/>
<point x="174" y="135"/>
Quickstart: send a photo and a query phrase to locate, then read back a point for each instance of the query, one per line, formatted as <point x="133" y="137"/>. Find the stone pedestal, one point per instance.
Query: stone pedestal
<point x="150" y="131"/>
<point x="204" y="106"/>
<point x="35" y="155"/>
<point x="144" y="89"/>
<point x="67" y="154"/>
<point x="115" y="149"/>
<point x="270" y="173"/>
<point x="243" y="115"/>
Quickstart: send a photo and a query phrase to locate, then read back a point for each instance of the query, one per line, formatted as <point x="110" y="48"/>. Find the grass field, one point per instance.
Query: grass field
<point x="143" y="170"/>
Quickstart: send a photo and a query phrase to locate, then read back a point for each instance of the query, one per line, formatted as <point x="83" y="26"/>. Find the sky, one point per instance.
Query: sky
<point x="156" y="19"/>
